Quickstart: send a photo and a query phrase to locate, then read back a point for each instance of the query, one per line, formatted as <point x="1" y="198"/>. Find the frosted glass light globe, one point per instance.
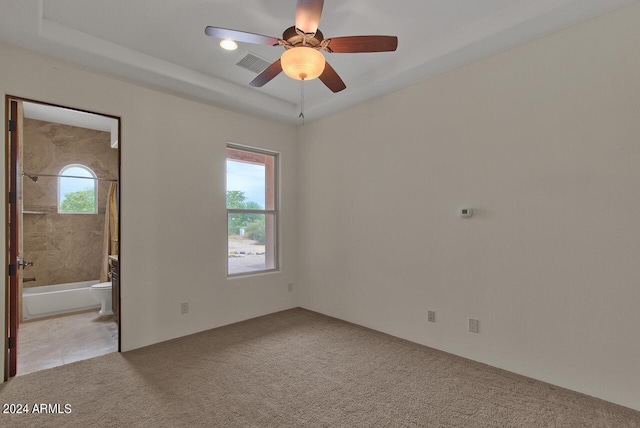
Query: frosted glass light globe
<point x="302" y="63"/>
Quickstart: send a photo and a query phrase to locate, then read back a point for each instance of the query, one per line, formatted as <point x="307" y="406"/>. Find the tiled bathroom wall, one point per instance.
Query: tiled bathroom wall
<point x="63" y="247"/>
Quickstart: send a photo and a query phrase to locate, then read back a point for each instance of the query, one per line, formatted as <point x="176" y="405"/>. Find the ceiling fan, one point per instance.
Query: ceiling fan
<point x="303" y="42"/>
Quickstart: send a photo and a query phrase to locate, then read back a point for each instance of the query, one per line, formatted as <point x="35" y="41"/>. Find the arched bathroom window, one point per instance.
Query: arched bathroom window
<point x="77" y="190"/>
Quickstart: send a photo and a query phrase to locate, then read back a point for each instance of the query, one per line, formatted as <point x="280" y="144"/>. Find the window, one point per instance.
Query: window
<point x="77" y="190"/>
<point x="252" y="212"/>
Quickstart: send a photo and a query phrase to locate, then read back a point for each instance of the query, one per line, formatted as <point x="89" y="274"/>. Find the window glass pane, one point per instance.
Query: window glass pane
<point x="245" y="185"/>
<point x="77" y="195"/>
<point x="251" y="242"/>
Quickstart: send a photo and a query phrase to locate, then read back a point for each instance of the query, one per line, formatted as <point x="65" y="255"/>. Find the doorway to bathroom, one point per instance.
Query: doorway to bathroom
<point x="63" y="283"/>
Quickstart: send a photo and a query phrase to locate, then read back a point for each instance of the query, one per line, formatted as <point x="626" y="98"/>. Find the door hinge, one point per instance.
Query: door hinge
<point x="12" y="343"/>
<point x="12" y="126"/>
<point x="12" y="198"/>
<point x="13" y="270"/>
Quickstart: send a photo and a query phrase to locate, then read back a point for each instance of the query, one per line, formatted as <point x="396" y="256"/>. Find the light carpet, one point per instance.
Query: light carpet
<point x="297" y="369"/>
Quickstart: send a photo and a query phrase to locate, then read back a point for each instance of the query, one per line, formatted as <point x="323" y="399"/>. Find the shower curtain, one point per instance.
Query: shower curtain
<point x="110" y="241"/>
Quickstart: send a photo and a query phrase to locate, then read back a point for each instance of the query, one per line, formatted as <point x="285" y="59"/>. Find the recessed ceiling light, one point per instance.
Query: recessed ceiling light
<point x="229" y="45"/>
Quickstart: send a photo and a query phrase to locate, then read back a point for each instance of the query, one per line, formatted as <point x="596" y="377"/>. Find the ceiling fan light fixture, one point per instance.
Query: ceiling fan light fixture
<point x="302" y="63"/>
<point x="228" y="44"/>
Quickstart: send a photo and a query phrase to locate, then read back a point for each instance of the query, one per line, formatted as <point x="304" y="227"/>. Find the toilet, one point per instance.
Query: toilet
<point x="102" y="293"/>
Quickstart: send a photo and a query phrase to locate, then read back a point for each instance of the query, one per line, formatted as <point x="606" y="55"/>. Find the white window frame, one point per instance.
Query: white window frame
<point x="93" y="177"/>
<point x="266" y="212"/>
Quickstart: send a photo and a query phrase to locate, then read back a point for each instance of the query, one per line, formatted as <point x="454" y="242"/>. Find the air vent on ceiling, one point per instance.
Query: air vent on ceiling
<point x="253" y="63"/>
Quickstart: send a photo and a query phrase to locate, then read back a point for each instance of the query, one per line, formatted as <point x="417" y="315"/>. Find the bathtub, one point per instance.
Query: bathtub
<point x="47" y="300"/>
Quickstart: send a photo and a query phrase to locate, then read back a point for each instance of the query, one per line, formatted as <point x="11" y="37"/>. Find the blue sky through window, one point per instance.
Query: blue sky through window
<point x="248" y="178"/>
<point x="69" y="185"/>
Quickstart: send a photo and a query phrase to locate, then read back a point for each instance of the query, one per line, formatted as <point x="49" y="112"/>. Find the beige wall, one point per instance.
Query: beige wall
<point x="173" y="216"/>
<point x="64" y="248"/>
<point x="543" y="142"/>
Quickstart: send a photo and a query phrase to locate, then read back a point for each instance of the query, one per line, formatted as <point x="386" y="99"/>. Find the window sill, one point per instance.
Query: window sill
<point x="249" y="274"/>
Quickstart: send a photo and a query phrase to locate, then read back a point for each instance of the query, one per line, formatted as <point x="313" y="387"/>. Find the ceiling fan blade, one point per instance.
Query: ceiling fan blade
<point x="331" y="79"/>
<point x="308" y="13"/>
<point x="241" y="36"/>
<point x="265" y="77"/>
<point x="357" y="44"/>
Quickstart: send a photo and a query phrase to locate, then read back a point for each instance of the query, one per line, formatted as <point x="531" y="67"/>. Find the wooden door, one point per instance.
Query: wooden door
<point x="13" y="225"/>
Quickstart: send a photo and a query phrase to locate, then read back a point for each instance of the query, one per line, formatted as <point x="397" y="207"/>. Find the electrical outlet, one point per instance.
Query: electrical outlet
<point x="184" y="308"/>
<point x="474" y="325"/>
<point x="431" y="316"/>
<point x="290" y="287"/>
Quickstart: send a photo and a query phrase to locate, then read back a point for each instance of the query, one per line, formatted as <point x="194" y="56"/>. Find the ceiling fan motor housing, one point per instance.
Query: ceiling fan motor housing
<point x="295" y="39"/>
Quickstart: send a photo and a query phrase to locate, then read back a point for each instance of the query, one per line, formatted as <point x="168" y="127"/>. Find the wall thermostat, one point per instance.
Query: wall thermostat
<point x="466" y="212"/>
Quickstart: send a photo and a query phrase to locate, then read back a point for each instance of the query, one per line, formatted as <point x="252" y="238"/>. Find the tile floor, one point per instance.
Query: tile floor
<point x="52" y="342"/>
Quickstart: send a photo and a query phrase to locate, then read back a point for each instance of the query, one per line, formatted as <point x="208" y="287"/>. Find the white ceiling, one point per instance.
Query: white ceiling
<point x="71" y="117"/>
<point x="162" y="43"/>
<point x="68" y="117"/>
